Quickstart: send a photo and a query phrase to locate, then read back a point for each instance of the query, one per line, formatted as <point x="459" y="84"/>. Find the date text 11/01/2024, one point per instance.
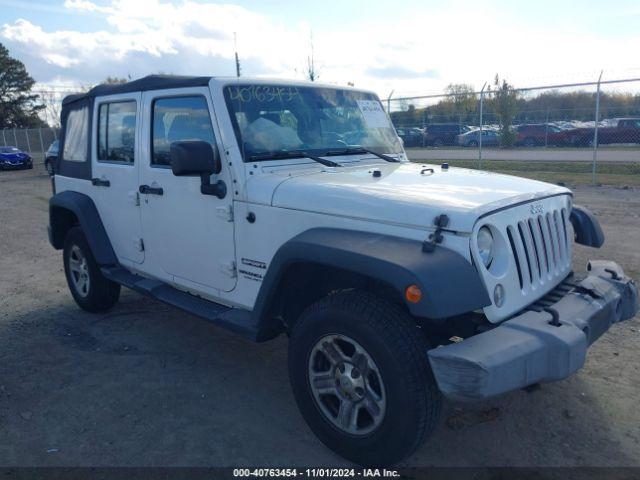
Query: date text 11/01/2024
<point x="316" y="472"/>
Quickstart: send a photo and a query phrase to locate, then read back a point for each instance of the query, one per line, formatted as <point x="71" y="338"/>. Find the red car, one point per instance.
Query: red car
<point x="541" y="134"/>
<point x="617" y="130"/>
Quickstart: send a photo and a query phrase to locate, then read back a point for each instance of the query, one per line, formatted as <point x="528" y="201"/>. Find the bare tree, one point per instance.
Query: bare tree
<point x="52" y="101"/>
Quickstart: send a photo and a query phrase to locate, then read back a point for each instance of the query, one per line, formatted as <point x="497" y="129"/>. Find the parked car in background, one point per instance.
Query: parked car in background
<point x="411" y="137"/>
<point x="615" y="130"/>
<point x="12" y="158"/>
<point x="50" y="156"/>
<point x="441" y="134"/>
<point x="490" y="138"/>
<point x="620" y="130"/>
<point x="541" y="134"/>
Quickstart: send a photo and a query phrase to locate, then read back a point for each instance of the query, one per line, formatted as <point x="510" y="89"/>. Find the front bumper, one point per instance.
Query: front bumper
<point x="546" y="342"/>
<point x="15" y="166"/>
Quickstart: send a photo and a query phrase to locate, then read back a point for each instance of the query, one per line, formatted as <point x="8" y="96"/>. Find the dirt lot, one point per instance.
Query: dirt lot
<point x="148" y="385"/>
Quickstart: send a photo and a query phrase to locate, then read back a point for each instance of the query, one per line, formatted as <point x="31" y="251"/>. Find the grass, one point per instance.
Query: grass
<point x="570" y="173"/>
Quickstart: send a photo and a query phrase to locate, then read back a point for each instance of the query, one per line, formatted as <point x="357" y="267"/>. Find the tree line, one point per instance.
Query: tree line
<point x="462" y="106"/>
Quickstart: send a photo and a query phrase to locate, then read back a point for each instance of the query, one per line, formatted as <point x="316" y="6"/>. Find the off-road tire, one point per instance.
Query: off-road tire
<point x="393" y="340"/>
<point x="102" y="294"/>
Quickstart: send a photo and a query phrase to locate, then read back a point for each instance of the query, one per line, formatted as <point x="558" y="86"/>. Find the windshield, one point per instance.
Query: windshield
<point x="276" y="119"/>
<point x="8" y="150"/>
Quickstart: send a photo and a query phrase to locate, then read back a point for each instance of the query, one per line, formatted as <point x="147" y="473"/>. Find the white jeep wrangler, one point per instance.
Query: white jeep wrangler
<point x="268" y="207"/>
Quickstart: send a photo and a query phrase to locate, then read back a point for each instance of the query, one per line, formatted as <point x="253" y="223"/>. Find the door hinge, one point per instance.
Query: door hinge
<point x="229" y="268"/>
<point x="225" y="212"/>
<point x="139" y="243"/>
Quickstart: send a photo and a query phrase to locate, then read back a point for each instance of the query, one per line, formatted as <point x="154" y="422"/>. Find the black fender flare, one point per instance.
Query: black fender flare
<point x="450" y="284"/>
<point x="586" y="227"/>
<point x="86" y="213"/>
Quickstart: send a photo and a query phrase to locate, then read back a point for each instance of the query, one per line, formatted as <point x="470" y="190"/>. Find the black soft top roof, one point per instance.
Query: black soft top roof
<point x="150" y="82"/>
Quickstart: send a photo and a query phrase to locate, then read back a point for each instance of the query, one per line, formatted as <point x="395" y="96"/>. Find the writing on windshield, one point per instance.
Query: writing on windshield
<point x="284" y="118"/>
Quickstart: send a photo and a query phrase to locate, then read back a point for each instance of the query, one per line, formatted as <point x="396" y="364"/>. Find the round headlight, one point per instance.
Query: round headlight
<point x="485" y="245"/>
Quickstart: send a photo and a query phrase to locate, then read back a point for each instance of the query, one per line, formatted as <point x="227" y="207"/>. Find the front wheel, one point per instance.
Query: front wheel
<point x="89" y="288"/>
<point x="359" y="372"/>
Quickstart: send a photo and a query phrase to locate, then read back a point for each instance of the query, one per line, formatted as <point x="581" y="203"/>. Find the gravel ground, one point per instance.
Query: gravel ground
<point x="148" y="385"/>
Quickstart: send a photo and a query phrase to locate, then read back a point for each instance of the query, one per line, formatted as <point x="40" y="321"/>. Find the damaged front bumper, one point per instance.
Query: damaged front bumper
<point x="546" y="342"/>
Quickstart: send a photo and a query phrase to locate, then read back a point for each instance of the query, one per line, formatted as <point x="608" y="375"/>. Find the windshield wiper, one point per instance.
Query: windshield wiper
<point x="292" y="154"/>
<point x="358" y="149"/>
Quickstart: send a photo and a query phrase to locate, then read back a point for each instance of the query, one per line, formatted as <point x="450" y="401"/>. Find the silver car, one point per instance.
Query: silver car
<point x="490" y="138"/>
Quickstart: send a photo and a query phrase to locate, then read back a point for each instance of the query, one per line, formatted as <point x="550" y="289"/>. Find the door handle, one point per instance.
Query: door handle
<point x="146" y="189"/>
<point x="100" y="182"/>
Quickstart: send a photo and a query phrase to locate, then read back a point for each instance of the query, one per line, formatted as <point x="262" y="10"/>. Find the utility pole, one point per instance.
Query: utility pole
<point x="480" y="139"/>
<point x="311" y="67"/>
<point x="235" y="47"/>
<point x="595" y="133"/>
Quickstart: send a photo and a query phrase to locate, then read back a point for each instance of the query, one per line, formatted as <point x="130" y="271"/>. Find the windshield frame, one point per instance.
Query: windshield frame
<point x="319" y="152"/>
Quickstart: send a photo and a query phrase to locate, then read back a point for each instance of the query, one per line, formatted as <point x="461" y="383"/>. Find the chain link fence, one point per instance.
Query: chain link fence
<point x="584" y="132"/>
<point x="574" y="133"/>
<point x="34" y="141"/>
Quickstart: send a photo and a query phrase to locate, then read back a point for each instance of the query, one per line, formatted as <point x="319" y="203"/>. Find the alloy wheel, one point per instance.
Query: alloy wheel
<point x="346" y="384"/>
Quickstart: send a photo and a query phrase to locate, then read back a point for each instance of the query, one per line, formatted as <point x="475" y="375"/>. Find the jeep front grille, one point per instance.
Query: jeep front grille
<point x="532" y="253"/>
<point x="540" y="247"/>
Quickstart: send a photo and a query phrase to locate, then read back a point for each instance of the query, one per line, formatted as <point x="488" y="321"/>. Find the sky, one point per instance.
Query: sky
<point x="406" y="46"/>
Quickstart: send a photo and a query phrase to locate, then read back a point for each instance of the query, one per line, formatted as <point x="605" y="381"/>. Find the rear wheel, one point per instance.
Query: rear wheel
<point x="529" y="142"/>
<point x="48" y="166"/>
<point x="359" y="372"/>
<point x="89" y="288"/>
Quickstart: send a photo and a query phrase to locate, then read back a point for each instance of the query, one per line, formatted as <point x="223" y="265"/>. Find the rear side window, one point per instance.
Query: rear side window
<point x="117" y="132"/>
<point x="75" y="137"/>
<point x="176" y="120"/>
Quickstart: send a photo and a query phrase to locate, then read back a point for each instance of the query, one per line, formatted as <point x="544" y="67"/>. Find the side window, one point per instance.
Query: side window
<point x="117" y="132"/>
<point x="178" y="119"/>
<point x="75" y="137"/>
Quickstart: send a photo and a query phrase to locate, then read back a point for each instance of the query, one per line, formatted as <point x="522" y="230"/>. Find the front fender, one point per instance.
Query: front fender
<point x="449" y="283"/>
<point x="586" y="227"/>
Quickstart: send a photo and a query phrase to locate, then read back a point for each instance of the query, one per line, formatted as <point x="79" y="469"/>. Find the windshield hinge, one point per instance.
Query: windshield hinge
<point x="429" y="245"/>
<point x="225" y="212"/>
<point x="139" y="244"/>
<point x="229" y="268"/>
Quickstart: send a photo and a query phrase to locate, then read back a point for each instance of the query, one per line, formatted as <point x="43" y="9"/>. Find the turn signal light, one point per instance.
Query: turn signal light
<point x="413" y="294"/>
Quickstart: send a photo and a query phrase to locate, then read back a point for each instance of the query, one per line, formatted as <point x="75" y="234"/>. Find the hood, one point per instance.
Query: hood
<point x="13" y="156"/>
<point x="407" y="193"/>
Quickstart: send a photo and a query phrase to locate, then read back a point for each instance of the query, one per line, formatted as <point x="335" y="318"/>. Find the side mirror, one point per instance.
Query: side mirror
<point x="195" y="158"/>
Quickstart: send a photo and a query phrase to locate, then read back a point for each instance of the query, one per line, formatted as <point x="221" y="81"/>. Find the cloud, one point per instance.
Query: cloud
<point x="398" y="71"/>
<point x="414" y="54"/>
